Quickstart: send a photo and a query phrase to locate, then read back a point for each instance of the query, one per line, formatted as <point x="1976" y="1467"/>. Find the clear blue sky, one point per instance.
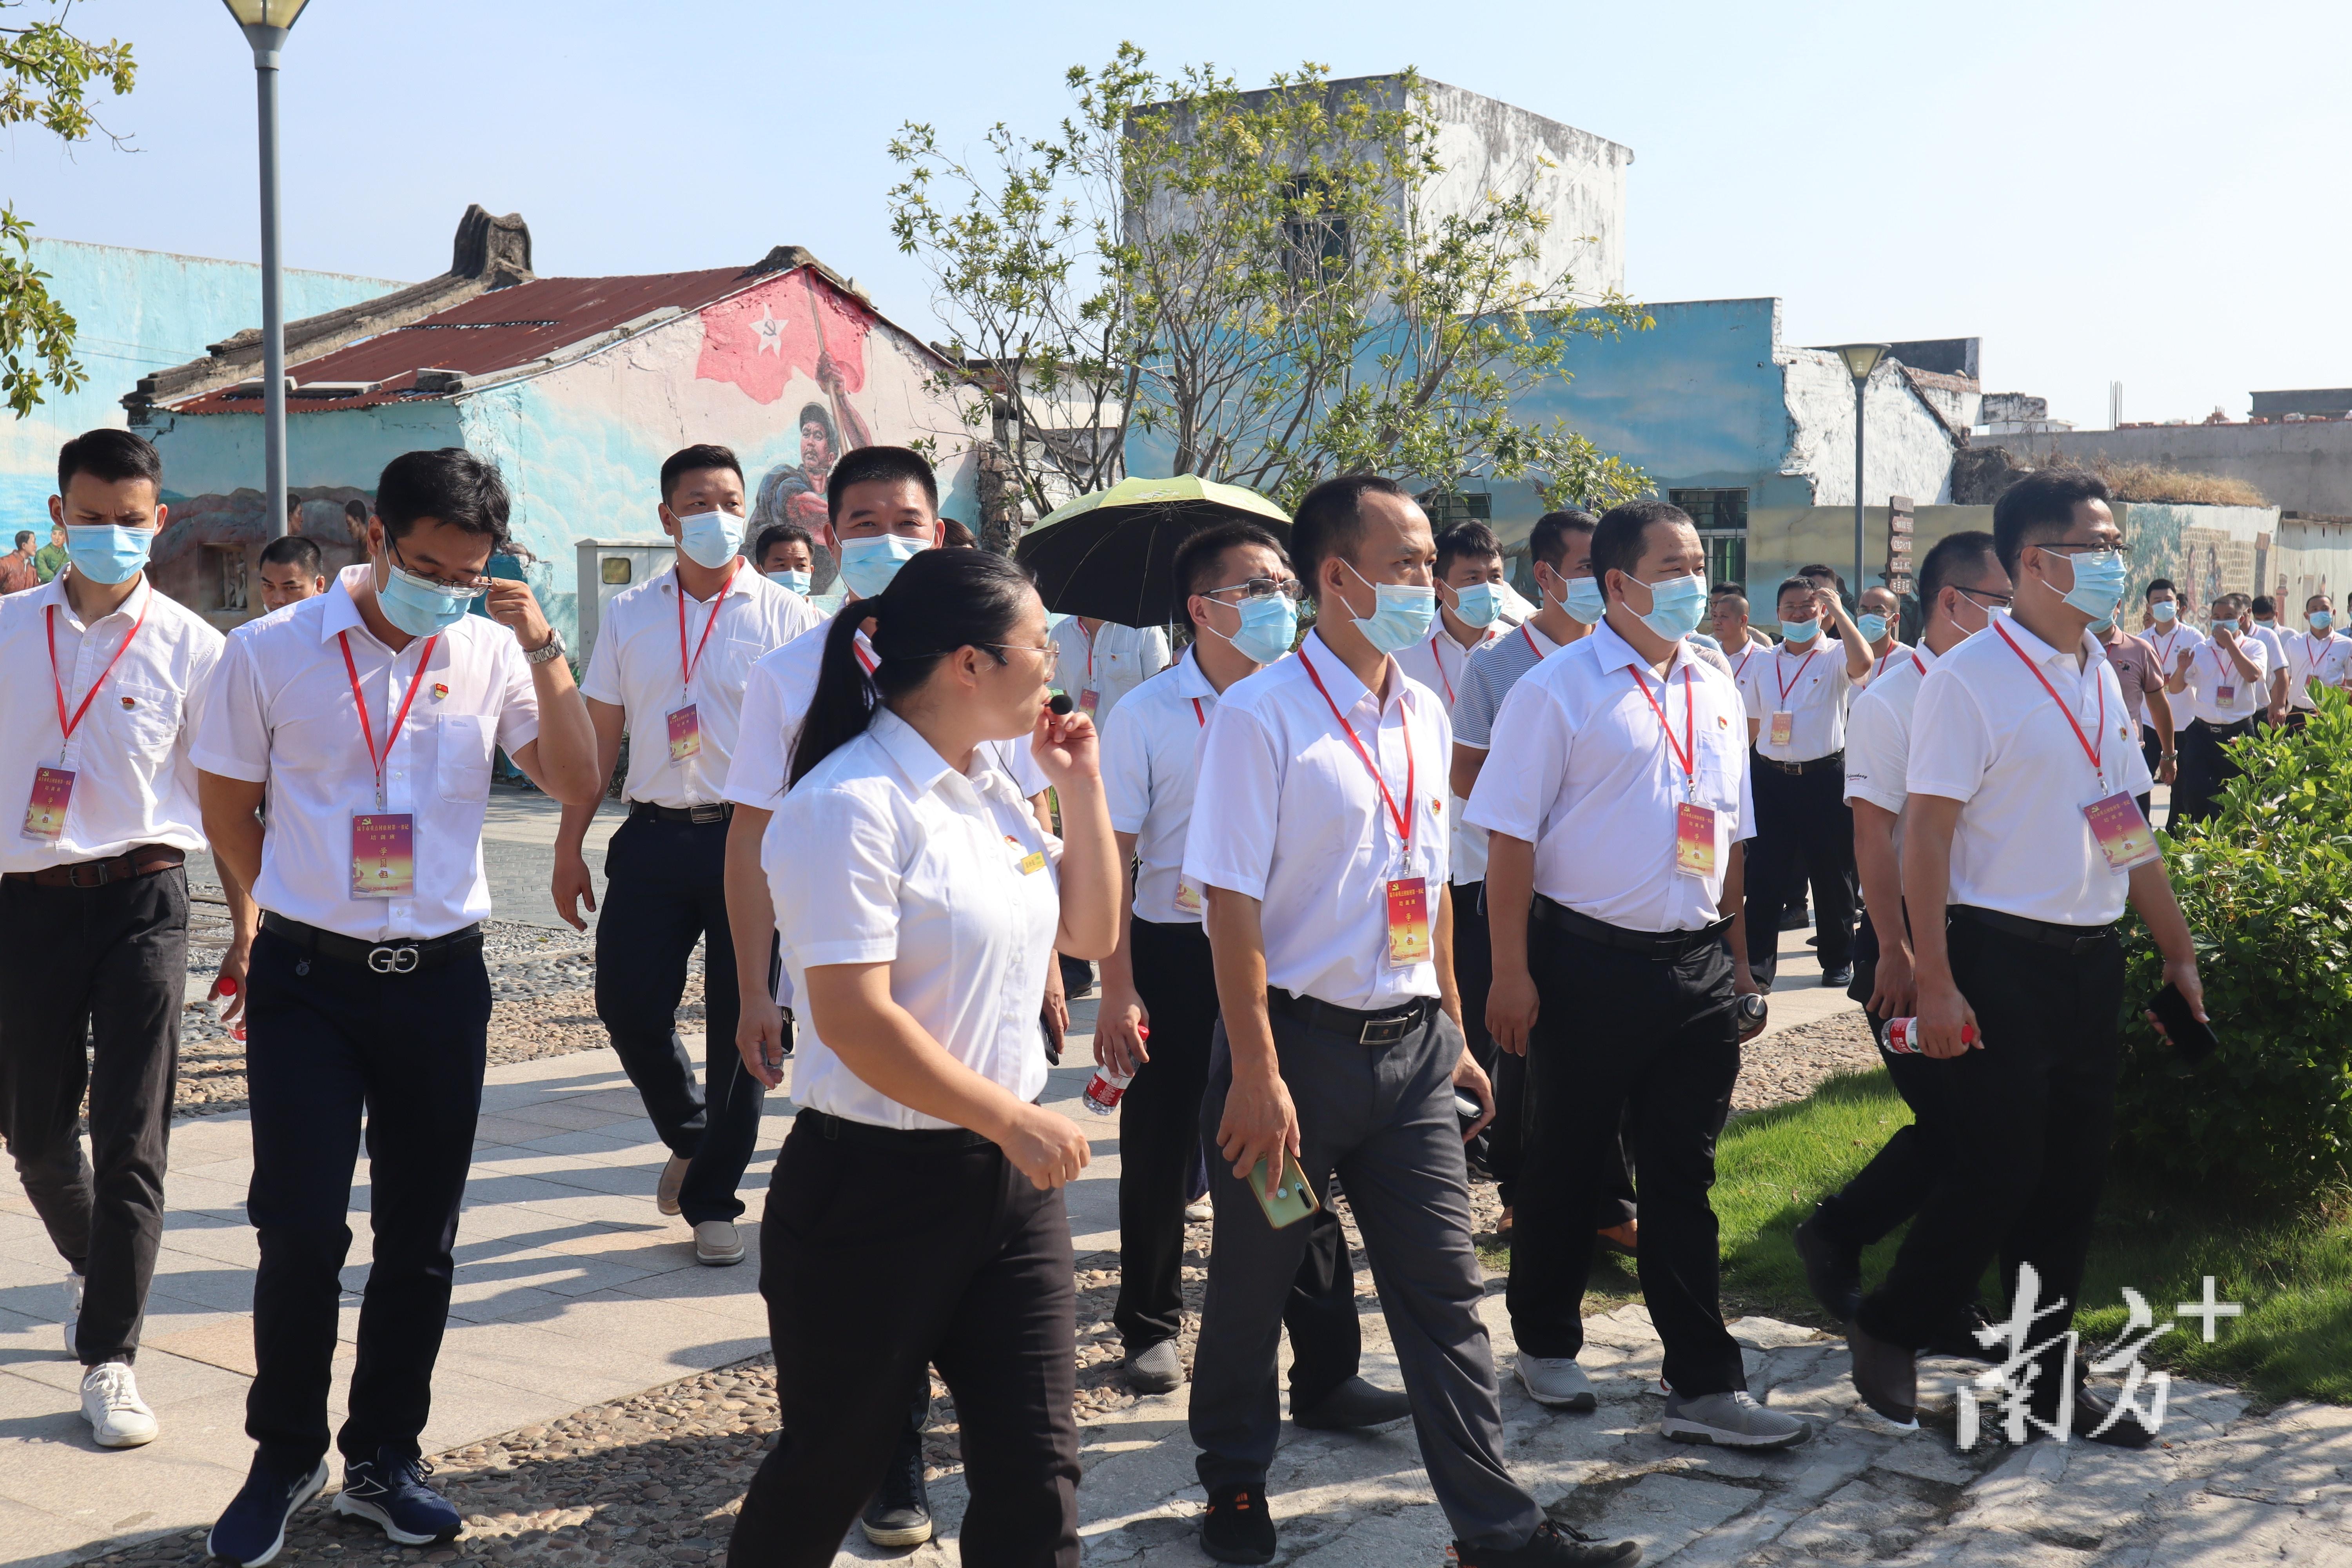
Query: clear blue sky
<point x="2148" y="191"/>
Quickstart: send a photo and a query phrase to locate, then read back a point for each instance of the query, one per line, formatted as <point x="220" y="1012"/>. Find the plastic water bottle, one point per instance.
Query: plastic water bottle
<point x="1108" y="1087"/>
<point x="1902" y="1035"/>
<point x="227" y="999"/>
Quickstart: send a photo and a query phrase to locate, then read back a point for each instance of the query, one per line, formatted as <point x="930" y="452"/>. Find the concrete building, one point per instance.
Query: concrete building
<point x="578" y="387"/>
<point x="2300" y="463"/>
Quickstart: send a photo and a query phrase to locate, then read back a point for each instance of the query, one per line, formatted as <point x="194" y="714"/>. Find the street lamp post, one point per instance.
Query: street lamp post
<point x="266" y="24"/>
<point x="1861" y="359"/>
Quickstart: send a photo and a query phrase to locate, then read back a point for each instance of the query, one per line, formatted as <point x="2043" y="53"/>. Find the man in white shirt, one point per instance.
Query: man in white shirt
<point x="369" y="716"/>
<point x="1617" y="804"/>
<point x="2169" y="636"/>
<point x="1727" y="608"/>
<point x="93" y="901"/>
<point x="2322" y="656"/>
<point x="1961" y="586"/>
<point x="2020" y="826"/>
<point x="1796" y="699"/>
<point x="1102" y="661"/>
<point x="2265" y="629"/>
<point x="1318" y="835"/>
<point x="1881" y="617"/>
<point x="292" y="570"/>
<point x="667" y="671"/>
<point x="1162" y="981"/>
<point x="2227" y="680"/>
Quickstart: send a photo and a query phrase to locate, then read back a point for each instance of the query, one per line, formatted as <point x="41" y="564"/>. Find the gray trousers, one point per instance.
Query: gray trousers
<point x="1382" y="1117"/>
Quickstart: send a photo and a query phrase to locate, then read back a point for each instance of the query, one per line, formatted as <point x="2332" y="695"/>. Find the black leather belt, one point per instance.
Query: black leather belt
<point x="1665" y="946"/>
<point x="143" y="861"/>
<point x="719" y="812"/>
<point x="2235" y="728"/>
<point x="840" y="1130"/>
<point x="2048" y="933"/>
<point x="1385" y="1026"/>
<point x="399" y="955"/>
<point x="1810" y="765"/>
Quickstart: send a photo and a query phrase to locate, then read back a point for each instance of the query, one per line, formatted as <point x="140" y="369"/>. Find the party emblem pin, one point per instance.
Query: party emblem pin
<point x="129" y="703"/>
<point x="439" y="692"/>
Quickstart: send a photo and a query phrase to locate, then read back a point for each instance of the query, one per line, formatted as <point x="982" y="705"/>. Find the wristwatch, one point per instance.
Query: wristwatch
<point x="551" y="649"/>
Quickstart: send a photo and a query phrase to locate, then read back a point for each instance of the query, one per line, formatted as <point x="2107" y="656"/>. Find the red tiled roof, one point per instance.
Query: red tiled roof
<point x="494" y="332"/>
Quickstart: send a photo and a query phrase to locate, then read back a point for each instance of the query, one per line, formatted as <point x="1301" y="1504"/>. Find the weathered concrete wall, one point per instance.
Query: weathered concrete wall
<point x="1487" y="145"/>
<point x="1781" y="538"/>
<point x="2302" y="467"/>
<point x="1907" y="449"/>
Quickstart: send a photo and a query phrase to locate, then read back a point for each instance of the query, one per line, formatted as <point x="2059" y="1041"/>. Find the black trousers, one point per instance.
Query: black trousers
<point x="1621" y="1031"/>
<point x="1159" y="1155"/>
<point x="91" y="986"/>
<point x="2205" y="769"/>
<point x="877" y="1258"/>
<point x="1804" y="828"/>
<point x="2031" y="1116"/>
<point x="2152" y="751"/>
<point x="666" y="889"/>
<point x="331" y="1047"/>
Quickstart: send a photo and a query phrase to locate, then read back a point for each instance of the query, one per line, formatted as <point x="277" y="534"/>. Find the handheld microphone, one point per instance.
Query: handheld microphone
<point x="1061" y="702"/>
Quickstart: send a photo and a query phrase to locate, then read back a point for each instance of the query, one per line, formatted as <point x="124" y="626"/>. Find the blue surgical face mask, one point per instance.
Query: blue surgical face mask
<point x="1401" y="614"/>
<point x="1676" y="606"/>
<point x="1801" y="632"/>
<point x="2321" y="620"/>
<point x="2163" y="610"/>
<point x="1268" y="626"/>
<point x="868" y="564"/>
<point x="1481" y="603"/>
<point x="793" y="578"/>
<point x="419" y="606"/>
<point x="710" y="538"/>
<point x="1873" y="627"/>
<point x="1585" y="602"/>
<point x="2098" y="582"/>
<point x="2103" y="625"/>
<point x="107" y="552"/>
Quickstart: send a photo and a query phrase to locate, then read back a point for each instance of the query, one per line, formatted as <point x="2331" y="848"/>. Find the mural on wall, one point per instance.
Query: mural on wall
<point x="208" y="557"/>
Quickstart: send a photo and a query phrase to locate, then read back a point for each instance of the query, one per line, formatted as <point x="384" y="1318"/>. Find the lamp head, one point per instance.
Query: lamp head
<point x="280" y="14"/>
<point x="1861" y="359"/>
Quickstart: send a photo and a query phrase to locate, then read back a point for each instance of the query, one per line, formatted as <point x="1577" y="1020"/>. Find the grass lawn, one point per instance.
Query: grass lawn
<point x="2292" y="1272"/>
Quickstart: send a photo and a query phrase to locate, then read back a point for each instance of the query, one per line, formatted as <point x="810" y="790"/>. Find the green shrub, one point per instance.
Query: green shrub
<point x="2266" y="884"/>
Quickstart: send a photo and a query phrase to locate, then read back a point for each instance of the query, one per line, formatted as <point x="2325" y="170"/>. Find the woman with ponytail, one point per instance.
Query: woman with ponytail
<point x="916" y="1214"/>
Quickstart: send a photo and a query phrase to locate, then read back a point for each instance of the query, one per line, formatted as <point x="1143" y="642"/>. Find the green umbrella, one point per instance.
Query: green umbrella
<point x="1111" y="557"/>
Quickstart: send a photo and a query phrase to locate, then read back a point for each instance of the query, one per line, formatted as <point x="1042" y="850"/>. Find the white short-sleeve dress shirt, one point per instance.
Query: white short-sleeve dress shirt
<point x="640" y="665"/>
<point x="1878" y="734"/>
<point x="1444" y="665"/>
<point x="281" y="712"/>
<point x="2169" y="643"/>
<point x="1152" y="758"/>
<point x="1882" y="664"/>
<point x="1112" y="663"/>
<point x="2273" y="643"/>
<point x="2212" y="672"/>
<point x="2327" y="659"/>
<point x="1813" y="686"/>
<point x="1582" y="768"/>
<point x="1987" y="733"/>
<point x="133" y="781"/>
<point x="945" y="876"/>
<point x="1286" y="813"/>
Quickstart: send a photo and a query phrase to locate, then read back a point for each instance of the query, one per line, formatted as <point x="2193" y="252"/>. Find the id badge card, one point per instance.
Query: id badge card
<point x="1089" y="700"/>
<point x="1188" y="896"/>
<point x="44" y="809"/>
<point x="685" y="734"/>
<point x="1783" y="730"/>
<point x="1408" y="922"/>
<point x="2124" y="835"/>
<point x="383" y="855"/>
<point x="2225" y="695"/>
<point x="1695" y="840"/>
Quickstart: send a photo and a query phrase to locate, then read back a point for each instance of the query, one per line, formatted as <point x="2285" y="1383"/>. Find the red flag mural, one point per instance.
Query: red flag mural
<point x="762" y="340"/>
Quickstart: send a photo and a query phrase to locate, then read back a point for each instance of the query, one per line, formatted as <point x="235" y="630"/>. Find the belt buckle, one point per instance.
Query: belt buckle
<point x="386" y="958"/>
<point x="1383" y="1031"/>
<point x="100" y="870"/>
<point x="705" y="813"/>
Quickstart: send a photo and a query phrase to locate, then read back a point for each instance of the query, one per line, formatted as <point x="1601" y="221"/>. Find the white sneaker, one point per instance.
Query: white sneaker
<point x="118" y="1417"/>
<point x="717" y="1242"/>
<point x="673" y="1181"/>
<point x="1557" y="1382"/>
<point x="73" y="1312"/>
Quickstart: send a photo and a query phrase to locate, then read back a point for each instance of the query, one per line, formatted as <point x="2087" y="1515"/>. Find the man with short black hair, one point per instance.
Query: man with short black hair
<point x="1726" y="607"/>
<point x="370" y="715"/>
<point x="1881" y="618"/>
<point x="672" y="656"/>
<point x="1826" y="579"/>
<point x="292" y="570"/>
<point x="2265" y="629"/>
<point x="2322" y="656"/>
<point x="2226" y="677"/>
<point x="2169" y="636"/>
<point x="785" y="553"/>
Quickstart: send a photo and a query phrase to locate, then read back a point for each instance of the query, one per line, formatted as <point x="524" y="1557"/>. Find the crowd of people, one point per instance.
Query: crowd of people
<point x="1444" y="885"/>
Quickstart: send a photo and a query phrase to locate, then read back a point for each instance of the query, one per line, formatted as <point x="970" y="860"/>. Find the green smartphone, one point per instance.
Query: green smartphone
<point x="1288" y="1201"/>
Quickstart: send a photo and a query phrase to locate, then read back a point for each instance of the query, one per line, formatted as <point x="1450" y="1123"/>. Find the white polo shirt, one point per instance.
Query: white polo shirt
<point x="1112" y="663"/>
<point x="640" y="665"/>
<point x="2327" y="659"/>
<point x="1813" y="686"/>
<point x="945" y="876"/>
<point x="1444" y="665"/>
<point x="2211" y="670"/>
<point x="1286" y="813"/>
<point x="1581" y="768"/>
<point x="281" y="711"/>
<point x="1987" y="734"/>
<point x="1151" y="760"/>
<point x="1878" y="735"/>
<point x="1881" y="665"/>
<point x="2170" y="643"/>
<point x="133" y="781"/>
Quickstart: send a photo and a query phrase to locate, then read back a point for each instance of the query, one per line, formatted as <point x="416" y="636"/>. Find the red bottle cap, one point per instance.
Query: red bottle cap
<point x="227" y="985"/>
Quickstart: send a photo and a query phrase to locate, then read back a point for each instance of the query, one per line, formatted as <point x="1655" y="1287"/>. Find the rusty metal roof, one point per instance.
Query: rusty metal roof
<point x="504" y="330"/>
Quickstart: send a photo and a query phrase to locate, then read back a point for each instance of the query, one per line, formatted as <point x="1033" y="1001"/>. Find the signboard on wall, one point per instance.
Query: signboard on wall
<point x="1898" y="544"/>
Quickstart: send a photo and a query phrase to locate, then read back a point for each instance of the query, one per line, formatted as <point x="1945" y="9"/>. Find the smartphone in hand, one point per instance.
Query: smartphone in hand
<point x="1287" y="1200"/>
<point x="2194" y="1037"/>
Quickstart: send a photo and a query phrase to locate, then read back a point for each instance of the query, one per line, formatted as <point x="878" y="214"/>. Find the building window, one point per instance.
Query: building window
<point x="1316" y="241"/>
<point x="1721" y="517"/>
<point x="1446" y="508"/>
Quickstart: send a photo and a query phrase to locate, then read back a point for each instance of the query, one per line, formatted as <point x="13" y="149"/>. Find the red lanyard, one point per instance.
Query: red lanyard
<point x="1438" y="659"/>
<point x="2310" y="657"/>
<point x="686" y="667"/>
<point x="1403" y="819"/>
<point x="1883" y="664"/>
<point x="1792" y="679"/>
<point x="1744" y="658"/>
<point x="1530" y="639"/>
<point x="1923" y="668"/>
<point x="863" y="657"/>
<point x="2088" y="750"/>
<point x="1090" y="654"/>
<point x="367" y="732"/>
<point x="1688" y="755"/>
<point x="69" y="725"/>
<point x="1199" y="715"/>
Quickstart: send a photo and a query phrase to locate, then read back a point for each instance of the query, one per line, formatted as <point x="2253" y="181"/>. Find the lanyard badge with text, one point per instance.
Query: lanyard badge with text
<point x="1694" y="846"/>
<point x="52" y="792"/>
<point x="2123" y="834"/>
<point x="1408" y="895"/>
<point x="684" y="722"/>
<point x="383" y="842"/>
<point x="1783" y="730"/>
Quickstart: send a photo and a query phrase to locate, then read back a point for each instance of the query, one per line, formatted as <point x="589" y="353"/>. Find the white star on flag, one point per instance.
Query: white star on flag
<point x="771" y="333"/>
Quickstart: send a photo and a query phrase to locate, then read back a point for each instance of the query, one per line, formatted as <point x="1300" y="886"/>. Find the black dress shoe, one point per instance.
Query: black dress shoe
<point x="1797" y="918"/>
<point x="1553" y="1545"/>
<point x="2097" y="1420"/>
<point x="1354" y="1404"/>
<point x="1886" y="1376"/>
<point x="1958" y="1338"/>
<point x="1238" y="1528"/>
<point x="1832" y="1268"/>
<point x="1841" y="977"/>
